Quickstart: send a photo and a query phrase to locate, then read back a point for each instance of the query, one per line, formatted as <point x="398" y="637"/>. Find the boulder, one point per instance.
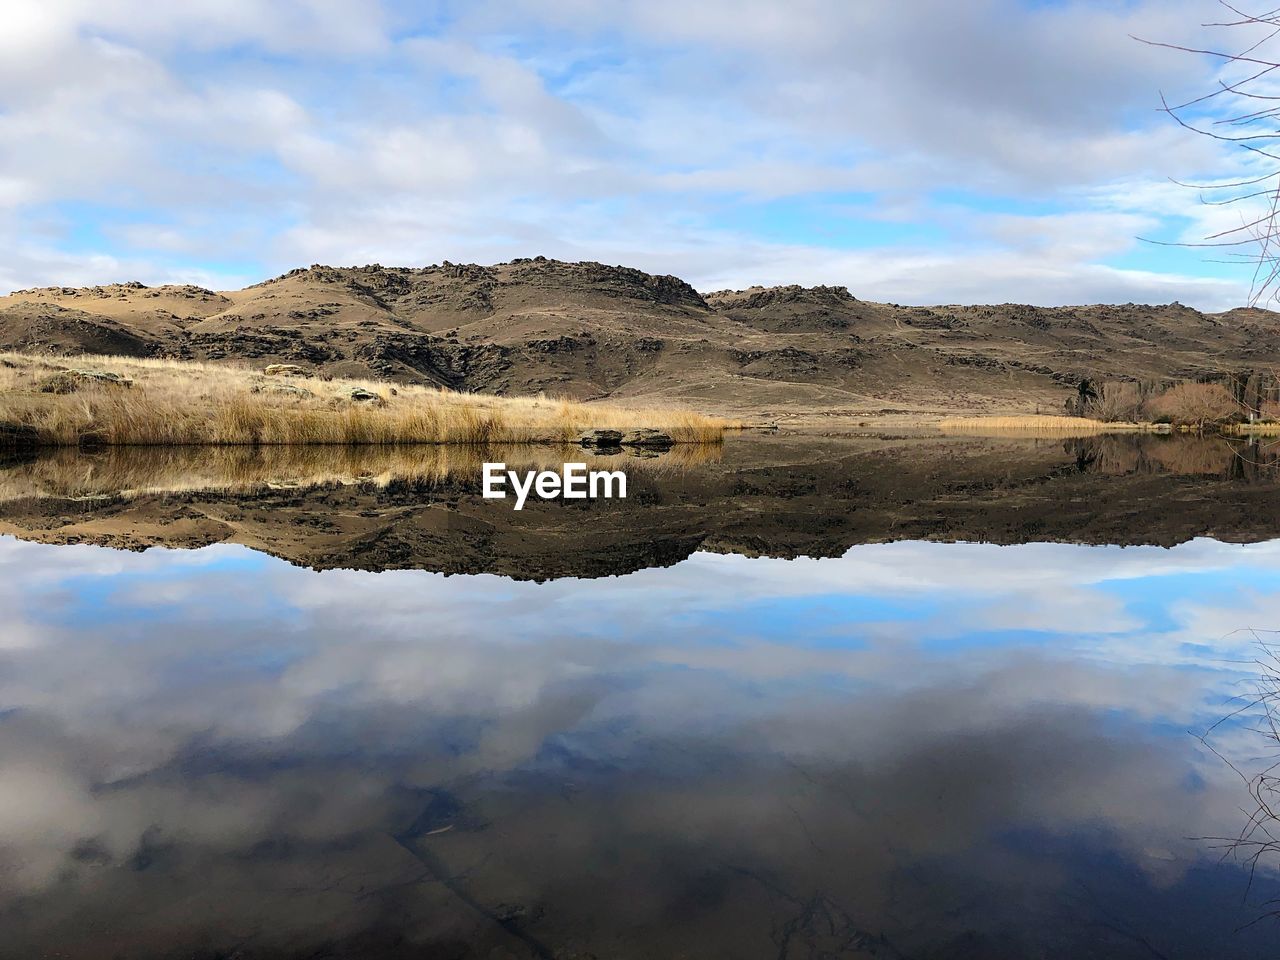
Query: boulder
<point x="282" y="389"/>
<point x="361" y="395"/>
<point x="282" y="370"/>
<point x="103" y="377"/>
<point x="601" y="438"/>
<point x="645" y="438"/>
<point x="69" y="381"/>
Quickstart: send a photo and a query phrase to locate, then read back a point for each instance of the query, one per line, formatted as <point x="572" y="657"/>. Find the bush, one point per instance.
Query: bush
<point x="1193" y="404"/>
<point x="1117" y="401"/>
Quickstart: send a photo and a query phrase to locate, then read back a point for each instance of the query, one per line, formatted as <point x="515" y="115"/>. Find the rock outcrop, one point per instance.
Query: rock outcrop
<point x="69" y="381"/>
<point x="591" y="331"/>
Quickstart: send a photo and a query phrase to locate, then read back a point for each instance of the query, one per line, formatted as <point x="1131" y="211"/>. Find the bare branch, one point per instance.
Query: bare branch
<point x="1259" y="231"/>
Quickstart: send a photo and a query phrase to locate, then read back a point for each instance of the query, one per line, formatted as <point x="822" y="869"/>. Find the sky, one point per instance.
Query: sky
<point x="918" y="152"/>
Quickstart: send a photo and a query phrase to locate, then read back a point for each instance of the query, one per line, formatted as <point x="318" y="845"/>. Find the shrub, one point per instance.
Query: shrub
<point x="1193" y="404"/>
<point x="1116" y="401"/>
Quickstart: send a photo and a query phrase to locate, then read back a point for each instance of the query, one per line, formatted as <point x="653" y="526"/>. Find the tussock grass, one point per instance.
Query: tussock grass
<point x="1041" y="426"/>
<point x="127" y="472"/>
<point x="179" y="403"/>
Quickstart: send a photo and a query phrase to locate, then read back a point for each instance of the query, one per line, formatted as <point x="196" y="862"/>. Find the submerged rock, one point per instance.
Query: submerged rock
<point x="601" y="439"/>
<point x="647" y="439"/>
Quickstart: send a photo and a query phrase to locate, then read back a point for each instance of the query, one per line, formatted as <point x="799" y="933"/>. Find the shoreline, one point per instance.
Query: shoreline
<point x="96" y="401"/>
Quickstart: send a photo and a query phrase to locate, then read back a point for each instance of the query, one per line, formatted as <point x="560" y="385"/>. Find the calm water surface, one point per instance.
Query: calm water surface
<point x="920" y="748"/>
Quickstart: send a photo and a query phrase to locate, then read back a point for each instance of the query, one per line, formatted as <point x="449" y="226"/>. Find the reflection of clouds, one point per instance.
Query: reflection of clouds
<point x="219" y="646"/>
<point x="1051" y="588"/>
<point x="207" y="702"/>
<point x="20" y="579"/>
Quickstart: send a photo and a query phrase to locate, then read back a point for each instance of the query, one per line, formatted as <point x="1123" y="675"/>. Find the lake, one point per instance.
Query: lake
<point x="799" y="697"/>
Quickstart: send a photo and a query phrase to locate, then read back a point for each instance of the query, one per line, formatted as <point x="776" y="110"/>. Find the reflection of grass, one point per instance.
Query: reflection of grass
<point x="1038" y="426"/>
<point x="132" y="471"/>
<point x="1262" y="429"/>
<point x="174" y="402"/>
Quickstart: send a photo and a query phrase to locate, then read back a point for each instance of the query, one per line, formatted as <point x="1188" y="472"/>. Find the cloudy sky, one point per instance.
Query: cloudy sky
<point x="927" y="151"/>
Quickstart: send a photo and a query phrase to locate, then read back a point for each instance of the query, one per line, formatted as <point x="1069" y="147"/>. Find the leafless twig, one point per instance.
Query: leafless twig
<point x="1258" y="840"/>
<point x="1240" y="106"/>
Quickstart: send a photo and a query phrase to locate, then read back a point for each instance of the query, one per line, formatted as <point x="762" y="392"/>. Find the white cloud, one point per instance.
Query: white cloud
<point x="280" y="134"/>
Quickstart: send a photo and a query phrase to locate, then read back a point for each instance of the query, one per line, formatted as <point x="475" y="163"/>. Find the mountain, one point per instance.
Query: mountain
<point x="590" y="331"/>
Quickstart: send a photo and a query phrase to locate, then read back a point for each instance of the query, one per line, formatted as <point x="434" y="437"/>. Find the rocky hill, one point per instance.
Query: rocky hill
<point x="589" y="331"/>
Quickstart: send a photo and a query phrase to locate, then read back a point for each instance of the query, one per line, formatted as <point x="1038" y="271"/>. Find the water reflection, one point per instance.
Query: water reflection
<point x="1229" y="458"/>
<point x="131" y="472"/>
<point x="421" y="508"/>
<point x="916" y="750"/>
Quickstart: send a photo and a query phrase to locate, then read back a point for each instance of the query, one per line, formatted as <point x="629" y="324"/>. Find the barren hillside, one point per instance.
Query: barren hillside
<point x="590" y="331"/>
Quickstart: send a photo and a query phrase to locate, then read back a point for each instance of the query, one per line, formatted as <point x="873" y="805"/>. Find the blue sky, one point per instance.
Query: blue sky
<point x="916" y="152"/>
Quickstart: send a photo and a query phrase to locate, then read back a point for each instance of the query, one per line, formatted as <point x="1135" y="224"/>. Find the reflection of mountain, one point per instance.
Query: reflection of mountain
<point x="784" y="497"/>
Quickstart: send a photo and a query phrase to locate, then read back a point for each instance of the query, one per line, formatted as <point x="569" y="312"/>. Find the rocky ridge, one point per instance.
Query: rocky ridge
<point x="589" y="330"/>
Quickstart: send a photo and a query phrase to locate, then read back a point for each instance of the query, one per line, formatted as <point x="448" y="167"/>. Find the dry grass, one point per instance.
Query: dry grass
<point x="176" y="403"/>
<point x="1040" y="426"/>
<point x="134" y="471"/>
